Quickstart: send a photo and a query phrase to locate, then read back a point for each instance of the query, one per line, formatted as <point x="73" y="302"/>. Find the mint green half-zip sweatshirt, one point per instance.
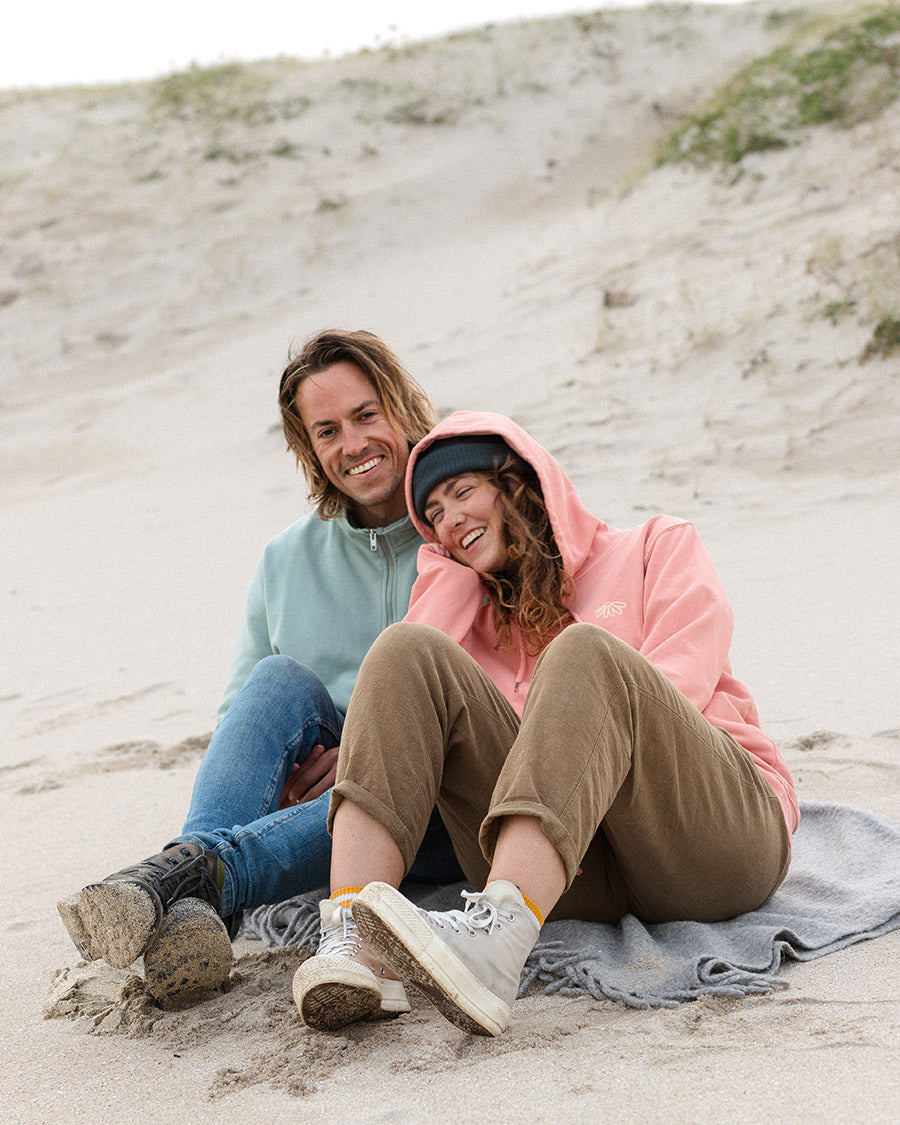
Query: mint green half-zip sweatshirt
<point x="322" y="592"/>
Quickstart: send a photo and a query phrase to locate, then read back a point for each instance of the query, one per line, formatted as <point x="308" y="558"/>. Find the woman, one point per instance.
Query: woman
<point x="562" y="690"/>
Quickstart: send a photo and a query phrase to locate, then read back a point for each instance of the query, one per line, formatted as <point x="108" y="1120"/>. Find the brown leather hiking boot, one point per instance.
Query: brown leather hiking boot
<point x="190" y="955"/>
<point x="117" y="918"/>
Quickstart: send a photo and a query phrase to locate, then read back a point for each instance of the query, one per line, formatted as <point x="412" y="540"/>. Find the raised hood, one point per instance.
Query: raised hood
<point x="573" y="525"/>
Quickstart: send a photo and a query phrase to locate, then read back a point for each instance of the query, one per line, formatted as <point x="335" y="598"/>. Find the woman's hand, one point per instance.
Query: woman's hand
<point x="311" y="777"/>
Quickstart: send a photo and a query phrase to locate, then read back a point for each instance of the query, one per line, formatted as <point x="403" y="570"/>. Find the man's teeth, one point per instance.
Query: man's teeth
<point x="472" y="536"/>
<point x="364" y="467"/>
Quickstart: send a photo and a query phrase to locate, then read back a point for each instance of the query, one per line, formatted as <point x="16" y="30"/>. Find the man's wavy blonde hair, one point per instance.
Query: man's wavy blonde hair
<point x="406" y="405"/>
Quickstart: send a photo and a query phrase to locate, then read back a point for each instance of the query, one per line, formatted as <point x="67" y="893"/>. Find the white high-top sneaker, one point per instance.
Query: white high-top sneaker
<point x="467" y="962"/>
<point x="343" y="982"/>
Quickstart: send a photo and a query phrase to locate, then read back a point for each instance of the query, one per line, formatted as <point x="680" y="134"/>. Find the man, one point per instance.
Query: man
<point x="322" y="592"/>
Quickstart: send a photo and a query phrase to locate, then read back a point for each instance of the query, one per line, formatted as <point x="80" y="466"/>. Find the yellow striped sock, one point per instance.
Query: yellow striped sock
<point x="345" y="895"/>
<point x="531" y="906"/>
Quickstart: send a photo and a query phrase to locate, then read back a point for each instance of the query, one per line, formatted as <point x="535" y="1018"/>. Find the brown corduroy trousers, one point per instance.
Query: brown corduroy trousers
<point x="654" y="811"/>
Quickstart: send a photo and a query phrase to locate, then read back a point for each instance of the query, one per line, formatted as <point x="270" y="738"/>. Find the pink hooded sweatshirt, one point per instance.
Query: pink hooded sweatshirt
<point x="653" y="586"/>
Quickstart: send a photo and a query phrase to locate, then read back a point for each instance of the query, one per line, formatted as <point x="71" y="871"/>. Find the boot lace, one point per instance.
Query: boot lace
<point x="479" y="915"/>
<point x="175" y="874"/>
<point x="341" y="938"/>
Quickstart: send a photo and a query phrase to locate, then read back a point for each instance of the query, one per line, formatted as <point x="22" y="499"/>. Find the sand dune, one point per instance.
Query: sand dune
<point x="709" y="339"/>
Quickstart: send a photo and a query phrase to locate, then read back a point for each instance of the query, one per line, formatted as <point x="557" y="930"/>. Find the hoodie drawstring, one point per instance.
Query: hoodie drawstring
<point x="521" y="669"/>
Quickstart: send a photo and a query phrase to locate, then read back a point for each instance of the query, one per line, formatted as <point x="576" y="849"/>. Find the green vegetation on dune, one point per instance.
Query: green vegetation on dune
<point x="885" y="339"/>
<point x="217" y="100"/>
<point x="225" y="92"/>
<point x="841" y="75"/>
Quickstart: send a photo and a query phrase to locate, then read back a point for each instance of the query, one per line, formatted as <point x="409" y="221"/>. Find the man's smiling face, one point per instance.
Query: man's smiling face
<point x="360" y="451"/>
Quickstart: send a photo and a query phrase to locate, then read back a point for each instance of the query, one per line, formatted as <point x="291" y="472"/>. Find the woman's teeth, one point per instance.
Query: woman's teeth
<point x="472" y="536"/>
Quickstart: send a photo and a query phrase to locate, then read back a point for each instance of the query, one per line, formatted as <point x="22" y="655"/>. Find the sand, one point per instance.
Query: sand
<point x="685" y="339"/>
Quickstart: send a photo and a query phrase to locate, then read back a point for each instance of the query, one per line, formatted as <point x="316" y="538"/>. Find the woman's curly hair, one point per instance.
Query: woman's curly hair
<point x="531" y="592"/>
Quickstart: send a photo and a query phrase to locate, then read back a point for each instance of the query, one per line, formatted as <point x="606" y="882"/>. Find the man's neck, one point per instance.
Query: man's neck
<point x="373" y="518"/>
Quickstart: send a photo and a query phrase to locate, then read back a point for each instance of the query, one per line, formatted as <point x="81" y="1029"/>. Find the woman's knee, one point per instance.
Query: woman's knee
<point x="407" y="640"/>
<point x="583" y="648"/>
<point x="583" y="641"/>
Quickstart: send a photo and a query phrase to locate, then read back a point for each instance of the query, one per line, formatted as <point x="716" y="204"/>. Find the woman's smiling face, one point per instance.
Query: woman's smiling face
<point x="467" y="521"/>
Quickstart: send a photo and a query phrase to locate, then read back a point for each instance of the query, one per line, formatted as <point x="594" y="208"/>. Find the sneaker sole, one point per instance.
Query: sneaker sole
<point x="190" y="956"/>
<point x="394" y="929"/>
<point x="121" y="920"/>
<point x="331" y="992"/>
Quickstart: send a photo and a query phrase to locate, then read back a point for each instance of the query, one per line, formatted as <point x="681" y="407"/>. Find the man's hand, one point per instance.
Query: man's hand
<point x="311" y="778"/>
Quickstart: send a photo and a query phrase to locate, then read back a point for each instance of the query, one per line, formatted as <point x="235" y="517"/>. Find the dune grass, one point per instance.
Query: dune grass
<point x="224" y="92"/>
<point x="837" y="75"/>
<point x="885" y="339"/>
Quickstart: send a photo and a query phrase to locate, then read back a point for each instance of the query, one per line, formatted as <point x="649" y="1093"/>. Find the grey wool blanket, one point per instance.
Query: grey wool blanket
<point x="843" y="886"/>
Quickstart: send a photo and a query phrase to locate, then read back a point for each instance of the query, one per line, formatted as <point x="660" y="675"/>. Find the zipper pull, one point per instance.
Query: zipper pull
<point x="373" y="539"/>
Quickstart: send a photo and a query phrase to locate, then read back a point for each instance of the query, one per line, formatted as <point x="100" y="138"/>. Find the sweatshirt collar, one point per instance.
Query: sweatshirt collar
<point x="397" y="534"/>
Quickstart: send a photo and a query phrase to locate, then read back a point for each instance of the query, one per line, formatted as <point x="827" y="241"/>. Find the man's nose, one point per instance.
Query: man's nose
<point x="354" y="440"/>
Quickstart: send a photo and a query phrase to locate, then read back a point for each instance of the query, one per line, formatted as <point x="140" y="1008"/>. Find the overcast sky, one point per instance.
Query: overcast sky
<point x="50" y="42"/>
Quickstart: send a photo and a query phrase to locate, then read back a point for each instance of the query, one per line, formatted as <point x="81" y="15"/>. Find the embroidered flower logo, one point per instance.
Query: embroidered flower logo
<point x="610" y="609"/>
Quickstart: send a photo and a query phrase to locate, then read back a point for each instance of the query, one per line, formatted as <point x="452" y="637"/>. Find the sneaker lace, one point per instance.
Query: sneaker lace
<point x="479" y="915"/>
<point x="341" y="938"/>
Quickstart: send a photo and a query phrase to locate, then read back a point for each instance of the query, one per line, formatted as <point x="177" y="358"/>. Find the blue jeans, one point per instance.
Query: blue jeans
<point x="271" y="854"/>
